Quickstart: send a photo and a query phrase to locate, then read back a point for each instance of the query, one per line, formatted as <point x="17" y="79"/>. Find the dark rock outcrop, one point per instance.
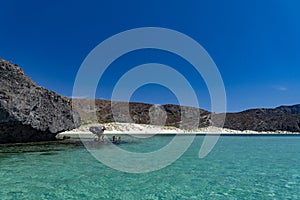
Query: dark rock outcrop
<point x="283" y="118"/>
<point x="97" y="129"/>
<point x="28" y="112"/>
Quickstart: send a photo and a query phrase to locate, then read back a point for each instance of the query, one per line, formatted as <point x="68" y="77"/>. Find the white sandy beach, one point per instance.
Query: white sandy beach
<point x="129" y="128"/>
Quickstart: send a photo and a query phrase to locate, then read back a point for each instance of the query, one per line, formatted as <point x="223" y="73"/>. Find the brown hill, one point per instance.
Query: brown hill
<point x="284" y="118"/>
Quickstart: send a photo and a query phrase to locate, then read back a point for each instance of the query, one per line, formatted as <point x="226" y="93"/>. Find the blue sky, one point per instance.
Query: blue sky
<point x="255" y="44"/>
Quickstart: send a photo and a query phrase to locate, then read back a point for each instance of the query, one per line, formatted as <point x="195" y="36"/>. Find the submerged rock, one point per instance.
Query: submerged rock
<point x="30" y="113"/>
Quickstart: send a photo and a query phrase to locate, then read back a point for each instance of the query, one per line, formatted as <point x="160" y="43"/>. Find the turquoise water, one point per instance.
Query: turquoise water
<point x="239" y="167"/>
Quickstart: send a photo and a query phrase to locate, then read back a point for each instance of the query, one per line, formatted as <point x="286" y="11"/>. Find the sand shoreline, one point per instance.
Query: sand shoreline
<point x="138" y="129"/>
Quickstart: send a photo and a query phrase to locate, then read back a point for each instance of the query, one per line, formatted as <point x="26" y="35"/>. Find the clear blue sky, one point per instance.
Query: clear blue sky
<point x="254" y="43"/>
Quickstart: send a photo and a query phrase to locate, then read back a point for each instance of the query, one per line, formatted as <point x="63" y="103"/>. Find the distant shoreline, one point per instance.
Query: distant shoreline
<point x="144" y="129"/>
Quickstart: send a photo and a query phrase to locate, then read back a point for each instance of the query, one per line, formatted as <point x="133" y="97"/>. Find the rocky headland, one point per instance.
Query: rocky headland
<point x="28" y="112"/>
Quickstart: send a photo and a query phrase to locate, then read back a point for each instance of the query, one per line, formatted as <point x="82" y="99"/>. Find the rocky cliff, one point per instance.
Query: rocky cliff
<point x="29" y="112"/>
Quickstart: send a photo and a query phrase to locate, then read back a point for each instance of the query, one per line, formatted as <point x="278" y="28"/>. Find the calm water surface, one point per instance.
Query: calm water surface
<point x="239" y="167"/>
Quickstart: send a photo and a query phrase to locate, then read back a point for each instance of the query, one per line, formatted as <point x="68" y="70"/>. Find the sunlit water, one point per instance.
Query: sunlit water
<point x="239" y="167"/>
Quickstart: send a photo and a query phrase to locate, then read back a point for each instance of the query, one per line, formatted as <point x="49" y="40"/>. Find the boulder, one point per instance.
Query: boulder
<point x="97" y="130"/>
<point x="30" y="113"/>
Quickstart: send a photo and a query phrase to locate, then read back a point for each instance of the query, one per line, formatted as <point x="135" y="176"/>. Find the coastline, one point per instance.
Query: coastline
<point x="139" y="129"/>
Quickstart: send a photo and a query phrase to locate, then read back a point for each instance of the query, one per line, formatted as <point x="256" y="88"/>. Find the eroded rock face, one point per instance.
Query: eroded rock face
<point x="28" y="112"/>
<point x="284" y="118"/>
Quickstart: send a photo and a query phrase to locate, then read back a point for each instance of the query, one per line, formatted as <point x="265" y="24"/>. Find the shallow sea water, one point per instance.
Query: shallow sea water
<point x="239" y="167"/>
